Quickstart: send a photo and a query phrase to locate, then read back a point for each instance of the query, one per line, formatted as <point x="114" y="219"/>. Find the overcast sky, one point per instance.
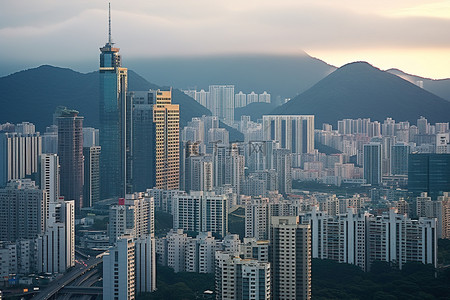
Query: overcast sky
<point x="412" y="35"/>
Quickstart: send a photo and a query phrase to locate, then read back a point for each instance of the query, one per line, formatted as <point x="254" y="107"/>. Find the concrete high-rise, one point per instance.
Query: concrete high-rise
<point x="145" y="262"/>
<point x="399" y="159"/>
<point x="49" y="181"/>
<point x="70" y="152"/>
<point x="221" y="102"/>
<point x="56" y="247"/>
<point x="290" y="258"/>
<point x="114" y="121"/>
<point x="91" y="189"/>
<point x="294" y="132"/>
<point x="23" y="212"/>
<point x="19" y="155"/>
<point x="166" y="118"/>
<point x="119" y="272"/>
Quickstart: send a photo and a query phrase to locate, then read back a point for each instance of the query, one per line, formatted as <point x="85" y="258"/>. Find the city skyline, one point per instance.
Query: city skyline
<point x="405" y="34"/>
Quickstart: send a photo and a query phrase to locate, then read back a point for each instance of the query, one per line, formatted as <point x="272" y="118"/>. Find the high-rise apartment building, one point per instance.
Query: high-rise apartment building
<point x="145" y="262"/>
<point x="19" y="155"/>
<point x="119" y="271"/>
<point x="290" y="258"/>
<point x="166" y="118"/>
<point x="70" y="152"/>
<point x="114" y="121"/>
<point x="56" y="246"/>
<point x="221" y="102"/>
<point x="294" y="132"/>
<point x="282" y="164"/>
<point x="23" y="210"/>
<point x="237" y="278"/>
<point x="201" y="211"/>
<point x="49" y="179"/>
<point x="399" y="159"/>
<point x="132" y="216"/>
<point x="91" y="189"/>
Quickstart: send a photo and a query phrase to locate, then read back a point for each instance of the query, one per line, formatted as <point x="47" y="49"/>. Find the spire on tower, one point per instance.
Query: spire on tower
<point x="109" y="21"/>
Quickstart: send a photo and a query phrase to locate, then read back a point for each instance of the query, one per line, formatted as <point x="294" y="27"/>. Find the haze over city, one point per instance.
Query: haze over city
<point x="409" y="35"/>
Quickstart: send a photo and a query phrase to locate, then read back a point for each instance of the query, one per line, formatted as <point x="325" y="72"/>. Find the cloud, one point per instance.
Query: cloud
<point x="55" y="31"/>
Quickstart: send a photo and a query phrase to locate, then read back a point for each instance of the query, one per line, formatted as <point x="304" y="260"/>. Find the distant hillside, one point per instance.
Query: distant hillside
<point x="280" y="75"/>
<point x="254" y="110"/>
<point x="361" y="90"/>
<point x="33" y="95"/>
<point x="439" y="87"/>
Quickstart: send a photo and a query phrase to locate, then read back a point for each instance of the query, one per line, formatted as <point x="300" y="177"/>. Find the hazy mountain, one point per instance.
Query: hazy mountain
<point x="32" y="95"/>
<point x="361" y="90"/>
<point x="439" y="87"/>
<point x="280" y="75"/>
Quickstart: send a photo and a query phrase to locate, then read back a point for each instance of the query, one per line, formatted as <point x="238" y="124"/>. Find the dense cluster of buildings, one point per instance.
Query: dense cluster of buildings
<point x="141" y="161"/>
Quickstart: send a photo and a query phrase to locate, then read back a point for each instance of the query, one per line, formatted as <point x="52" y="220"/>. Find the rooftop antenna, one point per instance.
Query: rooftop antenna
<point x="109" y="20"/>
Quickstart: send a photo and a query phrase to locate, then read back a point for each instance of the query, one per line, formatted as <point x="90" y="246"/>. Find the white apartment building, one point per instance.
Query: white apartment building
<point x="200" y="212"/>
<point x="145" y="261"/>
<point x="119" y="271"/>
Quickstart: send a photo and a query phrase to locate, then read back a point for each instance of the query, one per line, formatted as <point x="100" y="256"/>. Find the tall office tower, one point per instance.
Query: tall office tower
<point x="145" y="264"/>
<point x="19" y="155"/>
<point x="133" y="216"/>
<point x="294" y="132"/>
<point x="143" y="145"/>
<point x="221" y="102"/>
<point x="56" y="247"/>
<point x="119" y="272"/>
<point x="200" y="253"/>
<point x="91" y="188"/>
<point x="252" y="98"/>
<point x="240" y="279"/>
<point x="257" y="218"/>
<point x="240" y="100"/>
<point x="201" y="211"/>
<point x="264" y="97"/>
<point x="114" y="121"/>
<point x="428" y="172"/>
<point x="50" y="139"/>
<point x="70" y="152"/>
<point x="290" y="258"/>
<point x="399" y="159"/>
<point x="166" y="118"/>
<point x="22" y="210"/>
<point x="49" y="178"/>
<point x="282" y="165"/>
<point x="372" y="163"/>
<point x="423" y="126"/>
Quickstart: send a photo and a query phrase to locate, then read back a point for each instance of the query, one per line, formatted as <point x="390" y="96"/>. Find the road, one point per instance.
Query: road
<point x="67" y="278"/>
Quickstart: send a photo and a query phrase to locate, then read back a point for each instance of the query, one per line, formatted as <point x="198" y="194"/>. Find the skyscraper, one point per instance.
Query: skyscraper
<point x="166" y="118"/>
<point x="290" y="258"/>
<point x="372" y="163"/>
<point x="114" y="113"/>
<point x="221" y="102"/>
<point x="70" y="152"/>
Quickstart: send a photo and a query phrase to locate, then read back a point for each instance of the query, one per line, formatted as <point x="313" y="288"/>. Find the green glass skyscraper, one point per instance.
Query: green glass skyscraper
<point x="113" y="121"/>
